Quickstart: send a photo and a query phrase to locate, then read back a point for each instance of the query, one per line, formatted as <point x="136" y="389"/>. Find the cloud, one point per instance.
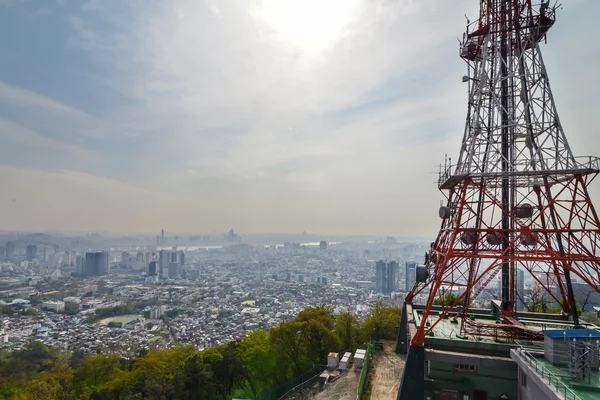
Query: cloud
<point x="12" y="132"/>
<point x="26" y="98"/>
<point x="315" y="116"/>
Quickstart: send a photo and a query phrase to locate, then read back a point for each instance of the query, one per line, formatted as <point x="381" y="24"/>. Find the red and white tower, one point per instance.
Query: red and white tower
<point x="517" y="197"/>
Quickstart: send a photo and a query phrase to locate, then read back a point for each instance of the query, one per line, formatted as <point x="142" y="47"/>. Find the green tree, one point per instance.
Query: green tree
<point x="347" y="328"/>
<point x="71" y="308"/>
<point x="95" y="371"/>
<point x="31" y="311"/>
<point x="260" y="360"/>
<point x="43" y="389"/>
<point x="322" y="313"/>
<point x="194" y="380"/>
<point x="227" y="366"/>
<point x="382" y="322"/>
<point x="156" y="370"/>
<point x="288" y="341"/>
<point x="320" y="340"/>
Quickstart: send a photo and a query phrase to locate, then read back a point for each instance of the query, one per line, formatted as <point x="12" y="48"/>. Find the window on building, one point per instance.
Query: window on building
<point x="465" y="368"/>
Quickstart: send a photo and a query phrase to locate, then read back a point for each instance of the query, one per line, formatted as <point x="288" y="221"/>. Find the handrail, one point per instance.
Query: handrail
<point x="552" y="379"/>
<point x="524" y="166"/>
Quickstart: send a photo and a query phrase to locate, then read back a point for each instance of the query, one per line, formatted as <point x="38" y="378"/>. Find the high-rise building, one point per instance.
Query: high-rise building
<point x="386" y="276"/>
<point x="410" y="275"/>
<point x="10" y="251"/>
<point x="30" y="252"/>
<point x="323" y="245"/>
<point x="392" y="275"/>
<point x="181" y="258"/>
<point x="152" y="268"/>
<point x="96" y="264"/>
<point x="80" y="264"/>
<point x="164" y="259"/>
<point x="174" y="270"/>
<point x="2" y="252"/>
<point x="380" y="276"/>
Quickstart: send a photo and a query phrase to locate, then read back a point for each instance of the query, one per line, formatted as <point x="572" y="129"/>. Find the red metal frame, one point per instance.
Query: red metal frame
<point x="556" y="236"/>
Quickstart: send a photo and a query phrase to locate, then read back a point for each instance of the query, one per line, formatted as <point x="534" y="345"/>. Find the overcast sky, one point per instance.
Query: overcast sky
<point x="325" y="116"/>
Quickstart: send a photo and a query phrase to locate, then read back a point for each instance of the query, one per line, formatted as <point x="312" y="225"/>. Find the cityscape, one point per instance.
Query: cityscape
<point x="204" y="295"/>
<point x="283" y="200"/>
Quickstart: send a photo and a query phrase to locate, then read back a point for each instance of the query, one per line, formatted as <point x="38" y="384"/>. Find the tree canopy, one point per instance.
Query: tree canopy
<point x="243" y="368"/>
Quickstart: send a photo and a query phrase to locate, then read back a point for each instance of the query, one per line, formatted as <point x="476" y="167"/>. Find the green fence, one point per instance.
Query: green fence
<point x="365" y="370"/>
<point x="297" y="383"/>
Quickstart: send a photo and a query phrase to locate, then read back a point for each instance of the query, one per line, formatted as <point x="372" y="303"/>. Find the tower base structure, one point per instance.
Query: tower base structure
<point x="451" y="366"/>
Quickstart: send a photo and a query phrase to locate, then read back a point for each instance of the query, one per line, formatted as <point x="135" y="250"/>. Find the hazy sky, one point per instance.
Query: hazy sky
<point x="327" y="116"/>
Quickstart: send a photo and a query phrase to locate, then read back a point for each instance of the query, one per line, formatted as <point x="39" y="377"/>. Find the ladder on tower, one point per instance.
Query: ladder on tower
<point x="482" y="285"/>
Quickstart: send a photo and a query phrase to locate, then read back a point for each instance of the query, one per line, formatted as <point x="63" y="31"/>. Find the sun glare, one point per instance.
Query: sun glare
<point x="309" y="25"/>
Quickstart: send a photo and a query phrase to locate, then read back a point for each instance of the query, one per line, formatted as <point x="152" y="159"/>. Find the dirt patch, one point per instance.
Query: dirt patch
<point x="387" y="373"/>
<point x="344" y="388"/>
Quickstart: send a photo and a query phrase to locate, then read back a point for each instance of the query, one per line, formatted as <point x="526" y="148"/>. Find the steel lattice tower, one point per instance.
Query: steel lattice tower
<point x="517" y="197"/>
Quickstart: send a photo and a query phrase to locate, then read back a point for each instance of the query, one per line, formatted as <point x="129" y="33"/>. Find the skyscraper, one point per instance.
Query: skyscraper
<point x="174" y="270"/>
<point x="96" y="264"/>
<point x="30" y="252"/>
<point x="380" y="276"/>
<point x="152" y="268"/>
<point x="410" y="275"/>
<point x="164" y="259"/>
<point x="10" y="251"/>
<point x="80" y="264"/>
<point x="386" y="276"/>
<point x="393" y="272"/>
<point x="323" y="245"/>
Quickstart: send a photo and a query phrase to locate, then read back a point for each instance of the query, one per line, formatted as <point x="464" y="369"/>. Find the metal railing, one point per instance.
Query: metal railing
<point x="547" y="376"/>
<point x="524" y="166"/>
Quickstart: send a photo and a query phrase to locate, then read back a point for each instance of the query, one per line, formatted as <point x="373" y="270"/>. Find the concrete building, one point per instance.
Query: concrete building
<point x="10" y="251"/>
<point x="96" y="264"/>
<point x="174" y="270"/>
<point x="566" y="368"/>
<point x="393" y="272"/>
<point x="452" y="366"/>
<point x="79" y="264"/>
<point x="30" y="252"/>
<point x="164" y="259"/>
<point x="152" y="268"/>
<point x="156" y="312"/>
<point x="56" y="306"/>
<point x="410" y="275"/>
<point x="380" y="276"/>
<point x="386" y="276"/>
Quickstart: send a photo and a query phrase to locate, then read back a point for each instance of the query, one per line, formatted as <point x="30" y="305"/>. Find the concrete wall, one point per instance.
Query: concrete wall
<point x="496" y="377"/>
<point x="531" y="386"/>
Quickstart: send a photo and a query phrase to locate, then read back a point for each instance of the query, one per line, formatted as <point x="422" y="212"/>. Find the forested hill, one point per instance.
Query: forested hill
<point x="242" y="369"/>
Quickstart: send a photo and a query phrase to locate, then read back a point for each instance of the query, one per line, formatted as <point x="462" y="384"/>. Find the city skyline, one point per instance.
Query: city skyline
<point x="110" y="120"/>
